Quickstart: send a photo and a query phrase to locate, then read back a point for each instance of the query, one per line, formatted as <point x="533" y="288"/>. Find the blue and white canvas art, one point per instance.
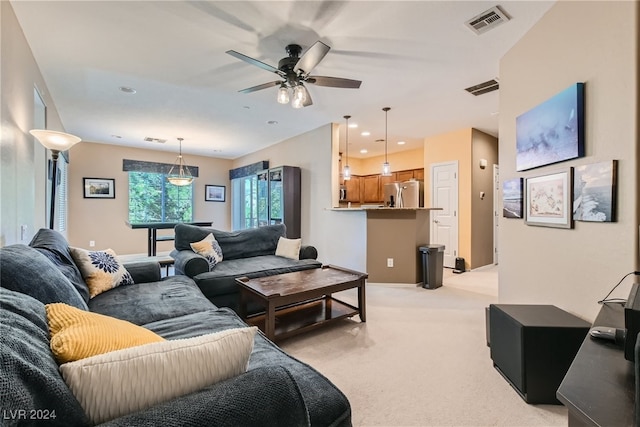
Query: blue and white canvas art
<point x="512" y="198"/>
<point x="594" y="192"/>
<point x="553" y="131"/>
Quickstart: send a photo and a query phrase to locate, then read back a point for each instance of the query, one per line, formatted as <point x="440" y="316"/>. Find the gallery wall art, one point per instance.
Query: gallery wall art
<point x="553" y="131"/>
<point x="512" y="198"/>
<point x="548" y="200"/>
<point x="594" y="192"/>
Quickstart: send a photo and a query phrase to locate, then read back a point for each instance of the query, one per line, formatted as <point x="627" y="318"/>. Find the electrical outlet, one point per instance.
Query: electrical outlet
<point x="92" y="243"/>
<point x="389" y="262"/>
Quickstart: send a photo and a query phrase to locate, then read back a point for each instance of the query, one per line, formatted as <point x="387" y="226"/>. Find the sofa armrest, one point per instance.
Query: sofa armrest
<point x="189" y="263"/>
<point x="143" y="271"/>
<point x="265" y="396"/>
<point x="308" y="252"/>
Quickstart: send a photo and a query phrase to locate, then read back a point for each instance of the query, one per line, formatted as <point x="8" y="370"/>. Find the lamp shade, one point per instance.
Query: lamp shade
<point x="55" y="141"/>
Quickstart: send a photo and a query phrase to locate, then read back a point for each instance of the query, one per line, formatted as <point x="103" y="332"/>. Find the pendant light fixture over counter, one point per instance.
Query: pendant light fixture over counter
<point x="183" y="176"/>
<point x="346" y="171"/>
<point x="386" y="168"/>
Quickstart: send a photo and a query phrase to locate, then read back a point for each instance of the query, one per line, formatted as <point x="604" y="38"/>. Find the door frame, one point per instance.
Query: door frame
<point x="455" y="200"/>
<point x="496" y="210"/>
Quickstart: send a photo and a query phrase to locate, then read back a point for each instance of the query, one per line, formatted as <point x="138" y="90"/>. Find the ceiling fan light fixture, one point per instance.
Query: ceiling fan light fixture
<point x="299" y="94"/>
<point x="283" y="94"/>
<point x="183" y="176"/>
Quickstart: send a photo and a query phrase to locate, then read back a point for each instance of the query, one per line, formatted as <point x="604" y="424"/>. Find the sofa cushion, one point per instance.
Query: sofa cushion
<point x="26" y="270"/>
<point x="54" y="246"/>
<point x="210" y="249"/>
<point x="78" y="334"/>
<point x="147" y="302"/>
<point x="259" y="266"/>
<point x="121" y="382"/>
<point x="29" y="377"/>
<point x="100" y="270"/>
<point x="235" y="244"/>
<point x="288" y="248"/>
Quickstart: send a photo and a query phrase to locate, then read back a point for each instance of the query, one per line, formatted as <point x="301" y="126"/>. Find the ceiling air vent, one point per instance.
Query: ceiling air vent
<point x="487" y="20"/>
<point x="485" y="87"/>
<point x="158" y="140"/>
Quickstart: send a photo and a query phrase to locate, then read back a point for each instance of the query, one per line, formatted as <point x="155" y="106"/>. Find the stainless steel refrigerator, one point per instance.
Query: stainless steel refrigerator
<point x="407" y="194"/>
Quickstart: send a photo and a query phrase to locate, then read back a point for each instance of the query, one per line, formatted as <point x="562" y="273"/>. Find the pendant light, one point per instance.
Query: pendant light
<point x="183" y="176"/>
<point x="283" y="94"/>
<point x="386" y="168"/>
<point x="346" y="171"/>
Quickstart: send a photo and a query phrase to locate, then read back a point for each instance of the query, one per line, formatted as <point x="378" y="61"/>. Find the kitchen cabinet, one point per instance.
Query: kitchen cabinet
<point x="371" y="189"/>
<point x="404" y="175"/>
<point x="353" y="189"/>
<point x="418" y="174"/>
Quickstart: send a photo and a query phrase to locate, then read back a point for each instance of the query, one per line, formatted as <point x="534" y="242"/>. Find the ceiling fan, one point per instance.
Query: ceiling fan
<point x="294" y="71"/>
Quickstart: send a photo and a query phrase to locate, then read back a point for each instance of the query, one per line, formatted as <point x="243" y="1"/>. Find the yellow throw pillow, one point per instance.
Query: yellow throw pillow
<point x="121" y="382"/>
<point x="100" y="270"/>
<point x="210" y="249"/>
<point x="77" y="334"/>
<point x="288" y="248"/>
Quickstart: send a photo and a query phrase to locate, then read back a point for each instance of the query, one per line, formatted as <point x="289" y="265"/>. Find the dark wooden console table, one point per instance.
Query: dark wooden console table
<point x="599" y="388"/>
<point x="152" y="231"/>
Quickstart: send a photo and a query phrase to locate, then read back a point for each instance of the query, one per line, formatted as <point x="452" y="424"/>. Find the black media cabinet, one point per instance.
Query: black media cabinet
<point x="599" y="388"/>
<point x="532" y="346"/>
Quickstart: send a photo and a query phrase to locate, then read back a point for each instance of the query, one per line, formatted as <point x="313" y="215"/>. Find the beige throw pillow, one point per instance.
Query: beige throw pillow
<point x="100" y="270"/>
<point x="289" y="248"/>
<point x="210" y="249"/>
<point x="114" y="384"/>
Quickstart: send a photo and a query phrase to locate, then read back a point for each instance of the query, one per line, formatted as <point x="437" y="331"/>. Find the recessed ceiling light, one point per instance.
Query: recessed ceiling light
<point x="364" y="151"/>
<point x="116" y="136"/>
<point x="495" y="113"/>
<point x="127" y="89"/>
<point x="401" y="142"/>
<point x="353" y="125"/>
<point x="272" y="122"/>
<point x="246" y="107"/>
<point x="365" y="133"/>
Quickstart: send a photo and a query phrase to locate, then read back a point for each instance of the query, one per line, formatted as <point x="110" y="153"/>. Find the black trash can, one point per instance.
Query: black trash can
<point x="432" y="265"/>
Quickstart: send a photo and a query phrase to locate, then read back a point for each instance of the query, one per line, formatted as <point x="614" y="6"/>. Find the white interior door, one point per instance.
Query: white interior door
<point x="444" y="223"/>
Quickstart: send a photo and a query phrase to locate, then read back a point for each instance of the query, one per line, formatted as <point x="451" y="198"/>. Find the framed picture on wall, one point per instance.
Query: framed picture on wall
<point x="548" y="200"/>
<point x="99" y="188"/>
<point x="512" y="198"/>
<point x="214" y="193"/>
<point x="594" y="192"/>
<point x="553" y="131"/>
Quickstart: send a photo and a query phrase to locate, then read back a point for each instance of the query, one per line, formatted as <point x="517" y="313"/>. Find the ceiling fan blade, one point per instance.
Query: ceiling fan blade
<point x="307" y="98"/>
<point x="253" y="61"/>
<point x="260" y="87"/>
<point x="311" y="57"/>
<point x="334" y="82"/>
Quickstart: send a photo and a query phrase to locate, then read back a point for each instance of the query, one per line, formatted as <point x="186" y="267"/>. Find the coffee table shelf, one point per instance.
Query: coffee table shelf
<point x="304" y="317"/>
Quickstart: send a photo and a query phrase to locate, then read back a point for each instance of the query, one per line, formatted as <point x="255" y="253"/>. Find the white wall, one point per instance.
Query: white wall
<point x="595" y="43"/>
<point x="340" y="237"/>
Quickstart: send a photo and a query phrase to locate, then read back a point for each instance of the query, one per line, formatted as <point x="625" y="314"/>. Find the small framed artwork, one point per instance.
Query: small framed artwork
<point x="548" y="200"/>
<point x="594" y="192"/>
<point x="99" y="188"/>
<point x="214" y="193"/>
<point x="512" y="198"/>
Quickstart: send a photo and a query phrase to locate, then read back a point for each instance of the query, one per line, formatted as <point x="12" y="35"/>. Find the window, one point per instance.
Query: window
<point x="153" y="199"/>
<point x="244" y="191"/>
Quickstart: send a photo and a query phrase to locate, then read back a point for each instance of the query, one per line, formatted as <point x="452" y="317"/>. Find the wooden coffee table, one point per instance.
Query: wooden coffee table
<point x="301" y="301"/>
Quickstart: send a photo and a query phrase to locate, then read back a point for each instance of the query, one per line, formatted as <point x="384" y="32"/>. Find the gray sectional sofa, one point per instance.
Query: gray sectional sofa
<point x="276" y="390"/>
<point x="246" y="253"/>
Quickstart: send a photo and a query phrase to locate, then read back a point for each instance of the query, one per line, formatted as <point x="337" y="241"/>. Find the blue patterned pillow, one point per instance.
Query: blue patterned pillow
<point x="101" y="270"/>
<point x="210" y="249"/>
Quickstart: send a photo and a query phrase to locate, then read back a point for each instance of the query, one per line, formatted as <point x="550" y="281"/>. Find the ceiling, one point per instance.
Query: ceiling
<point x="416" y="57"/>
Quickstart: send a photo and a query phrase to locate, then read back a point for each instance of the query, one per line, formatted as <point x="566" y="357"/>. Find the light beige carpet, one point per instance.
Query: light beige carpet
<point x="421" y="358"/>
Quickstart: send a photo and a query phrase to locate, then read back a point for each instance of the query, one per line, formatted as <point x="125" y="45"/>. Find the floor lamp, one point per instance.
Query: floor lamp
<point x="56" y="142"/>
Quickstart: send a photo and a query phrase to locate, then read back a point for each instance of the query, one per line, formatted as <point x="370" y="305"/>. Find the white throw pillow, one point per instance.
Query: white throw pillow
<point x="100" y="270"/>
<point x="114" y="384"/>
<point x="289" y="248"/>
<point x="208" y="248"/>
